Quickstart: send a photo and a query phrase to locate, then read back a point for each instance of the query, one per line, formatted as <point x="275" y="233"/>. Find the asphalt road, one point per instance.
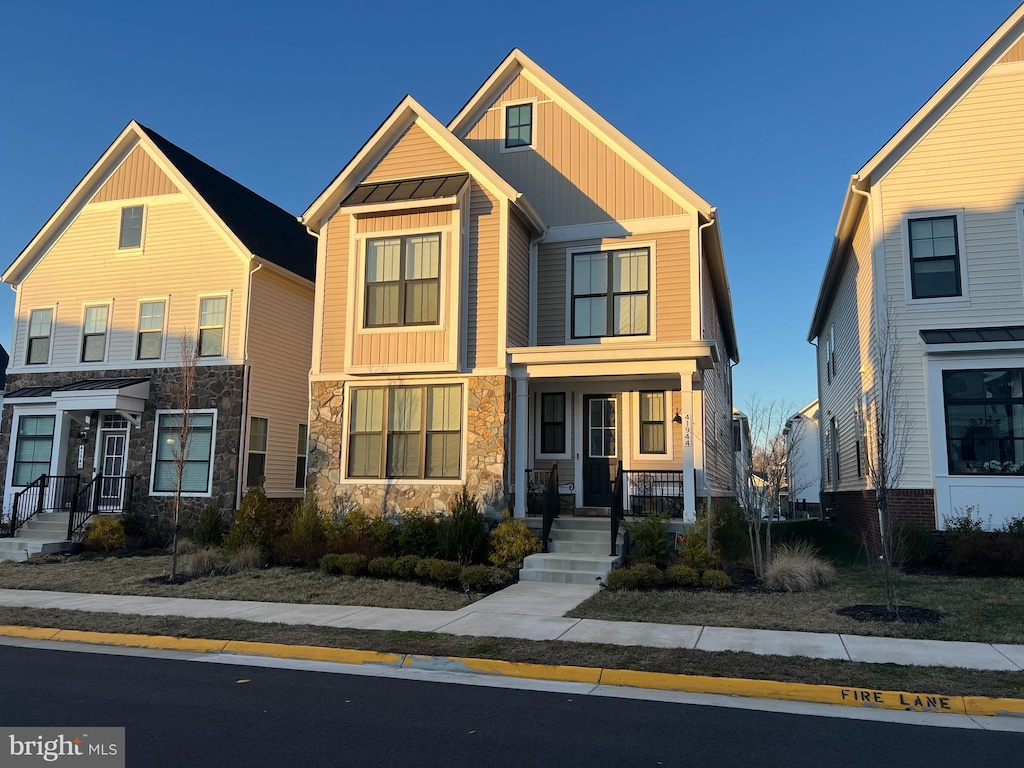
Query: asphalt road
<point x="180" y="713"/>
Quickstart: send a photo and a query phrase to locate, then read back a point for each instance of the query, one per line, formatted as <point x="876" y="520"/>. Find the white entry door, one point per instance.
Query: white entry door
<point x="114" y="443"/>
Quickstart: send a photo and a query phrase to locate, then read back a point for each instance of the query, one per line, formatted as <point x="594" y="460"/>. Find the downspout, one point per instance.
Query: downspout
<point x="700" y="289"/>
<point x="243" y="431"/>
<point x="309" y="377"/>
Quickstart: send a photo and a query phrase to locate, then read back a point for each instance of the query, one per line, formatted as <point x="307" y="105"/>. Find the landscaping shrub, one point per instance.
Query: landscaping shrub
<point x="209" y="530"/>
<point x="732" y="537"/>
<point x="352" y="522"/>
<point x="254" y="522"/>
<point x="248" y="557"/>
<point x="201" y="562"/>
<point x="650" y="540"/>
<point x="1014" y="526"/>
<point x="384" y="534"/>
<point x="965" y="521"/>
<point x="622" y="578"/>
<point x="797" y="568"/>
<point x="476" y="578"/>
<point x="308" y="524"/>
<point x="648" y="576"/>
<point x="694" y="552"/>
<point x="105" y="535"/>
<point x="357" y="544"/>
<point x="381" y="567"/>
<point x="405" y="566"/>
<point x="417" y="534"/>
<point x="987" y="554"/>
<point x="715" y="580"/>
<point x="913" y="544"/>
<point x="462" y="535"/>
<point x="348" y="564"/>
<point x="445" y="571"/>
<point x="681" y="577"/>
<point x="511" y="542"/>
<point x="424" y="566"/>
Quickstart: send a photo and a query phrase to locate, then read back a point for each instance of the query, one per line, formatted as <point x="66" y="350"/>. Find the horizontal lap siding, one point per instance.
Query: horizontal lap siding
<point x="137" y="176"/>
<point x="971" y="160"/>
<point x="331" y="335"/>
<point x="184" y="256"/>
<point x="518" y="283"/>
<point x="280" y="348"/>
<point x="571" y="176"/>
<point x="413" y="156"/>
<point x="433" y="217"/>
<point x="672" y="299"/>
<point x="482" y="279"/>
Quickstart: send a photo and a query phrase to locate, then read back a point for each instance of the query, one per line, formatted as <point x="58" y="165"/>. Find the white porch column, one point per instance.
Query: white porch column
<point x="687" y="414"/>
<point x="522" y="408"/>
<point x="62" y="426"/>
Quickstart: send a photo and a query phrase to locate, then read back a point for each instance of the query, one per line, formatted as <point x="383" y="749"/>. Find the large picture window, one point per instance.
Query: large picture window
<point x="984" y="421"/>
<point x="552" y="423"/>
<point x="199" y="450"/>
<point x="934" y="258"/>
<point x="34" y="449"/>
<point x="610" y="293"/>
<point x="406" y="432"/>
<point x="403" y="281"/>
<point x="652" y="422"/>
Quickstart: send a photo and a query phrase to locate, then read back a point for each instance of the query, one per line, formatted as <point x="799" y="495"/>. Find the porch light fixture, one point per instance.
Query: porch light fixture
<point x="677" y="419"/>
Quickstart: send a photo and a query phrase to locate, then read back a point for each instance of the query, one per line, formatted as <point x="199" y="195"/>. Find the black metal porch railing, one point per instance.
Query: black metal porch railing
<point x="617" y="517"/>
<point x="101" y="494"/>
<point x="536" y="485"/>
<point x="47" y="493"/>
<point x="654" y="492"/>
<point x="549" y="506"/>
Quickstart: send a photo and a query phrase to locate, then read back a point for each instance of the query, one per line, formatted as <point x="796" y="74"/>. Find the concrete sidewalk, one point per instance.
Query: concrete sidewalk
<point x="535" y="611"/>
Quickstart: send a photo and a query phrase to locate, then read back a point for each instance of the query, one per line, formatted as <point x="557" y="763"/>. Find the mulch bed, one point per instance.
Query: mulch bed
<point x="909" y="614"/>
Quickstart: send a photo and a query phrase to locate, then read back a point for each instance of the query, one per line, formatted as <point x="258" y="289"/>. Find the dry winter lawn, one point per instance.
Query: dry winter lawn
<point x="132" y="575"/>
<point x="983" y="610"/>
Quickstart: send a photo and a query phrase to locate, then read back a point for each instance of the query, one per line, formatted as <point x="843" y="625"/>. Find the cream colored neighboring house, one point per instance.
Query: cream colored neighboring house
<point x="935" y="223"/>
<point x="150" y="245"/>
<point x="521" y="287"/>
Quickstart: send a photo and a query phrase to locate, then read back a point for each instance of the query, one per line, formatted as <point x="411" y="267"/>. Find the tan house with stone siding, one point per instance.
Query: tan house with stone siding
<point x="150" y="245"/>
<point x="520" y="287"/>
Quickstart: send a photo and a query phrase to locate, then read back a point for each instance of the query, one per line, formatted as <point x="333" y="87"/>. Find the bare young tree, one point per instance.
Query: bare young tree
<point x="183" y="400"/>
<point x="887" y="431"/>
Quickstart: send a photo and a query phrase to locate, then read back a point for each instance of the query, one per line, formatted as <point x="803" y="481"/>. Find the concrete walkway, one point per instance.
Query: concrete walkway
<point x="536" y="611"/>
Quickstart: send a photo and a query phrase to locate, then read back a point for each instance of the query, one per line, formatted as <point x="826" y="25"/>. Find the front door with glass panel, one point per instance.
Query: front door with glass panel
<point x="113" y="444"/>
<point x="600" y="449"/>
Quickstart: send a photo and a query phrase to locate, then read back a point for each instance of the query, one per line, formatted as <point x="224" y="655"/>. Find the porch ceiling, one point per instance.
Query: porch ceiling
<point x="617" y="357"/>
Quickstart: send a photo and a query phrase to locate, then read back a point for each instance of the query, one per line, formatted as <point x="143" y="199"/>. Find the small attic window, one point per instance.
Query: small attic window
<point x="131" y="227"/>
<point x="519" y="125"/>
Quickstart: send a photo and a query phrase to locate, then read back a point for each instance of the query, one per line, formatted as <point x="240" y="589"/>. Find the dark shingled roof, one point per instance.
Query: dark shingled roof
<point x="266" y="230"/>
<point x="407" y="189"/>
<point x="77" y="386"/>
<point x="973" y="335"/>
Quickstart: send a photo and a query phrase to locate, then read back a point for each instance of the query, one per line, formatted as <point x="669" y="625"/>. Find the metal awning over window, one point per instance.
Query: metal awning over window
<point x="427" y="188"/>
<point x="125" y="396"/>
<point x="973" y="335"/>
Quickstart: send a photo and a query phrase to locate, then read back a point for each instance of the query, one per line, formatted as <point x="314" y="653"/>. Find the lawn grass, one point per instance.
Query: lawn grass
<point x="940" y="680"/>
<point x="132" y="575"/>
<point x="981" y="610"/>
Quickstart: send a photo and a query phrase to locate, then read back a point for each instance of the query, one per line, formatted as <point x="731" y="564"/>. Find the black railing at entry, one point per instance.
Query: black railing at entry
<point x="550" y="506"/>
<point x="47" y="493"/>
<point x="101" y="494"/>
<point x="654" y="492"/>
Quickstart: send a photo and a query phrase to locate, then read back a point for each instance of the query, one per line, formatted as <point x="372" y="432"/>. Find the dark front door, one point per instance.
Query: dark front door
<point x="600" y="448"/>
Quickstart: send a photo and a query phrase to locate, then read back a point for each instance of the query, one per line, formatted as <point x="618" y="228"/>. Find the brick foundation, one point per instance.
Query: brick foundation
<point x="857" y="511"/>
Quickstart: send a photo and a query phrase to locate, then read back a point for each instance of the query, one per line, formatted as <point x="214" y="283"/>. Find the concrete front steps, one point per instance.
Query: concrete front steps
<point x="43" y="533"/>
<point x="577" y="553"/>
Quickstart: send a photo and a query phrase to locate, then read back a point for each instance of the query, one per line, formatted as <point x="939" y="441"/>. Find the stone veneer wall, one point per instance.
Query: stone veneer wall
<point x="487" y="436"/>
<point x="219" y="387"/>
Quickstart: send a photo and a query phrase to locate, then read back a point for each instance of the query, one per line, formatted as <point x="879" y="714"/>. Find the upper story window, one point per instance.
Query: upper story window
<point x="257" y="462"/>
<point x="40" y="323"/>
<point x="213" y="312"/>
<point x="984" y="421"/>
<point x="934" y="257"/>
<point x="403" y="281"/>
<point x="830" y="355"/>
<point x="652" y="422"/>
<point x="519" y="125"/>
<point x="151" y="331"/>
<point x="131" y="227"/>
<point x="94" y="335"/>
<point x="610" y="293"/>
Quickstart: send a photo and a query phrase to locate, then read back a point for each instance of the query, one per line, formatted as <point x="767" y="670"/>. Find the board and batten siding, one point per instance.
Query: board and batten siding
<point x="970" y="160"/>
<point x="280" y="348"/>
<point x="413" y="156"/>
<point x="184" y="256"/>
<point x="571" y="176"/>
<point x="137" y="176"/>
<point x="716" y="430"/>
<point x="671" y="298"/>
<point x="518" y="283"/>
<point x="482" y="272"/>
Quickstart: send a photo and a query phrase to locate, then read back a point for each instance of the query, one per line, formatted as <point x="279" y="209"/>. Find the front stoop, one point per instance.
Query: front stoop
<point x="577" y="553"/>
<point x="41" y="534"/>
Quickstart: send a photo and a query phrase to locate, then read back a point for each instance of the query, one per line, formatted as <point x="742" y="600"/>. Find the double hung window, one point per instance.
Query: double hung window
<point x="40" y="324"/>
<point x="131" y="227"/>
<point x="403" y="281"/>
<point x="213" y="312"/>
<point x="151" y="331"/>
<point x="611" y="293"/>
<point x="652" y="422"/>
<point x="257" y="461"/>
<point x="552" y="423"/>
<point x="94" y="337"/>
<point x="934" y="257"/>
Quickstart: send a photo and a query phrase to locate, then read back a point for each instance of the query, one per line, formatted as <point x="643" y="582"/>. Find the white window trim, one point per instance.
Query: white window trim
<point x="447" y="243"/>
<point x="538" y="414"/>
<point x="28" y="330"/>
<point x="58" y="424"/>
<point x="670" y="411"/>
<point x="249" y="451"/>
<point x="652" y="292"/>
<point x="132" y="250"/>
<point x="388" y="384"/>
<point x="503" y="123"/>
<point x="213" y="453"/>
<point x="98" y="451"/>
<point x="226" y="340"/>
<point x="166" y="299"/>
<point x="964" y="299"/>
<point x="109" y="304"/>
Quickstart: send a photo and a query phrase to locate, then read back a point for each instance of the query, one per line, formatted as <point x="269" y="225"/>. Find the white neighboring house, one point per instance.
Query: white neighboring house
<point x="803" y="467"/>
<point x="933" y="226"/>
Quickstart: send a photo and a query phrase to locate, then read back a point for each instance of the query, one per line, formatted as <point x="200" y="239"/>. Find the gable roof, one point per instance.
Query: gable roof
<point x="264" y="230"/>
<point x="409" y="112"/>
<point x="897" y="147"/>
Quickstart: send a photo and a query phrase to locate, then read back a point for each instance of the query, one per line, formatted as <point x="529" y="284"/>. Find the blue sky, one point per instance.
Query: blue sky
<point x="765" y="109"/>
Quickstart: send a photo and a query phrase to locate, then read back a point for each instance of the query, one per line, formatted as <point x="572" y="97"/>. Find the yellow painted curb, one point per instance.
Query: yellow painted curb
<point x="565" y="674"/>
<point x="982" y="705"/>
<point x="35" y="633"/>
<point x="160" y="642"/>
<point x="313" y="653"/>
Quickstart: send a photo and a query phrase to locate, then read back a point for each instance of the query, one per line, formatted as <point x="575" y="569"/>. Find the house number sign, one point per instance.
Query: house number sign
<point x="81" y="456"/>
<point x="686" y="431"/>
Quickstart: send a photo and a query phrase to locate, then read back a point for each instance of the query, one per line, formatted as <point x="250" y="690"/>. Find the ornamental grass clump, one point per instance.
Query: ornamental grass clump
<point x="201" y="562"/>
<point x="796" y="567"/>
